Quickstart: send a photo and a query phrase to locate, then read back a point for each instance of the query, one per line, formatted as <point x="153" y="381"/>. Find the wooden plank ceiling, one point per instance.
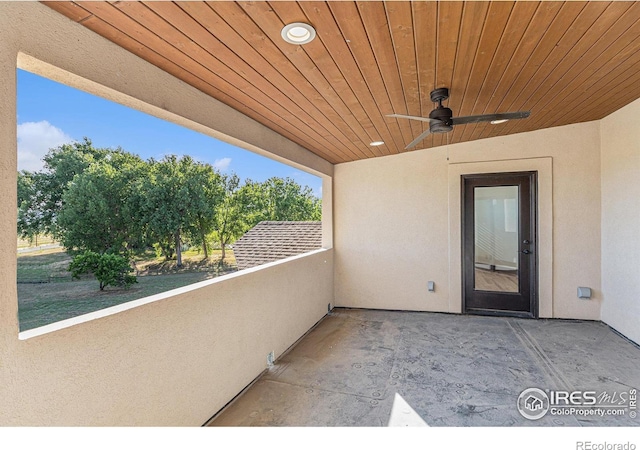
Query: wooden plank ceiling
<point x="566" y="62"/>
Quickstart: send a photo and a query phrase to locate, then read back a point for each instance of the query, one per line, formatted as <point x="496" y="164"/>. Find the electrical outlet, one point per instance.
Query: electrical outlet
<point x="584" y="292"/>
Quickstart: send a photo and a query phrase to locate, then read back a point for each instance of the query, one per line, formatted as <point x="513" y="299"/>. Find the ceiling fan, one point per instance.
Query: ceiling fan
<point x="441" y="119"/>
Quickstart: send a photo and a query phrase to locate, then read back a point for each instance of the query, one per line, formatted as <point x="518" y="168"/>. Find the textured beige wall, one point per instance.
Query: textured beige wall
<point x="621" y="220"/>
<point x="397" y="221"/>
<point x="171" y="361"/>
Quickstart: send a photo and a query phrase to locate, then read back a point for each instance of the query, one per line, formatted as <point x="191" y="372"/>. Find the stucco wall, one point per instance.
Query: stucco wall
<point x="621" y="220"/>
<point x="170" y="360"/>
<point x="397" y="221"/>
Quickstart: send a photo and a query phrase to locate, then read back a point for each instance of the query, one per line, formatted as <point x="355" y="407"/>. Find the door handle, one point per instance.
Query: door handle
<point x="526" y="252"/>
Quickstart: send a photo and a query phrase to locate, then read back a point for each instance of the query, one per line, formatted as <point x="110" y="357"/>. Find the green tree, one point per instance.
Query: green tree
<point x="207" y="192"/>
<point x="40" y="194"/>
<point x="98" y="211"/>
<point x="30" y="222"/>
<point x="109" y="269"/>
<point x="231" y="213"/>
<point x="285" y="200"/>
<point x="61" y="165"/>
<point x="176" y="203"/>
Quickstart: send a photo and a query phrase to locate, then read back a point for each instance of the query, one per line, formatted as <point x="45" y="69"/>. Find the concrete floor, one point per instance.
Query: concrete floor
<point x="381" y="368"/>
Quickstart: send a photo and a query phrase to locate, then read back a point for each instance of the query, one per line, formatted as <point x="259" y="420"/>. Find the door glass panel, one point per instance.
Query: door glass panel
<point x="496" y="238"/>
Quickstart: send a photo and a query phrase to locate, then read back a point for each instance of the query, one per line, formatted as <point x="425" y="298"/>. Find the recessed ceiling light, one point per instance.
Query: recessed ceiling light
<point x="376" y="143"/>
<point x="496" y="122"/>
<point x="298" y="33"/>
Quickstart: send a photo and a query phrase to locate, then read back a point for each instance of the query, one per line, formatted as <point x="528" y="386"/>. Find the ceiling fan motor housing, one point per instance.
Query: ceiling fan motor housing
<point x="443" y="115"/>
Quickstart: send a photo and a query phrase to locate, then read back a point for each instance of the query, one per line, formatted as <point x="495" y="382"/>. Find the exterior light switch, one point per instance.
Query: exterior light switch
<point x="431" y="286"/>
<point x="584" y="292"/>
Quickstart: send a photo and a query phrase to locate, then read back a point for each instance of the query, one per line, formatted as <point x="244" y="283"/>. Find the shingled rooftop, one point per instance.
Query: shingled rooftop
<point x="270" y="241"/>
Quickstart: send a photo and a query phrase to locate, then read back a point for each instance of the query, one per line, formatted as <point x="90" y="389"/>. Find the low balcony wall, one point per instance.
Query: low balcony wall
<point x="173" y="359"/>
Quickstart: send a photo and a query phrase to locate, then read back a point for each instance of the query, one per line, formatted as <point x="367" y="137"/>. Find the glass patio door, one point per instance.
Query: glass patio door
<point x="499" y="244"/>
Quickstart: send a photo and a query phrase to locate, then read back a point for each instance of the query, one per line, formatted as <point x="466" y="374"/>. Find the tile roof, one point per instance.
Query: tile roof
<point x="270" y="241"/>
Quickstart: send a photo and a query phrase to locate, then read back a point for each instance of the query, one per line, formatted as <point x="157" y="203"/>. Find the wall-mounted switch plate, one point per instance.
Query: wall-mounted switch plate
<point x="431" y="286"/>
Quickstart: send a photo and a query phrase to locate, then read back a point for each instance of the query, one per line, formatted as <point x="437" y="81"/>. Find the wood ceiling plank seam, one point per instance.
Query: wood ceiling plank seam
<point x="368" y="48"/>
<point x="370" y="68"/>
<point x="588" y="81"/>
<point x="210" y="20"/>
<point x="471" y="32"/>
<point x="115" y="35"/>
<point x="599" y="79"/>
<point x="509" y="41"/>
<point x="425" y="54"/>
<point x="320" y="58"/>
<point x="398" y="14"/>
<point x="492" y="36"/>
<point x="350" y="27"/>
<point x="489" y="42"/>
<point x="623" y="82"/>
<point x="301" y="60"/>
<point x="239" y="103"/>
<point x="435" y="139"/>
<point x="326" y="62"/>
<point x="545" y="14"/>
<point x="142" y="45"/>
<point x="612" y="81"/>
<point x="630" y="86"/>
<point x="449" y="27"/>
<point x="605" y="44"/>
<point x="562" y="53"/>
<point x="265" y="47"/>
<point x="544" y="44"/>
<point x="344" y="58"/>
<point x="72" y="10"/>
<point x="427" y="82"/>
<point x="262" y="44"/>
<point x="174" y="37"/>
<point x="552" y="52"/>
<point x="120" y="20"/>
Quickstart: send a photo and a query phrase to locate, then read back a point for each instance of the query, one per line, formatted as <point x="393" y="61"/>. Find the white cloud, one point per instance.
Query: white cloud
<point x="34" y="141"/>
<point x="222" y="164"/>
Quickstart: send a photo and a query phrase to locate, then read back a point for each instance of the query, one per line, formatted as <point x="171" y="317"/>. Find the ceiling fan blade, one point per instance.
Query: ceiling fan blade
<point x="490" y="117"/>
<point x="417" y="140"/>
<point x="422" y="119"/>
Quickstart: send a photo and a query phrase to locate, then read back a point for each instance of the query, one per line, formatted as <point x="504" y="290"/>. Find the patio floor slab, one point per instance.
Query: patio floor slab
<point x="382" y="368"/>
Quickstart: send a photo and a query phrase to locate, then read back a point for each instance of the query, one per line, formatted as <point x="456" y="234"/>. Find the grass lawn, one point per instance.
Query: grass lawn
<point x="48" y="294"/>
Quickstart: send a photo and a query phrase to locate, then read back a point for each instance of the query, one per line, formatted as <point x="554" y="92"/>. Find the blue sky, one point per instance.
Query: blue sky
<point x="51" y="114"/>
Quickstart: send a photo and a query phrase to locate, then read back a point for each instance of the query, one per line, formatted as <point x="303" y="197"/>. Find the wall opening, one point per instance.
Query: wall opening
<point x="115" y="205"/>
